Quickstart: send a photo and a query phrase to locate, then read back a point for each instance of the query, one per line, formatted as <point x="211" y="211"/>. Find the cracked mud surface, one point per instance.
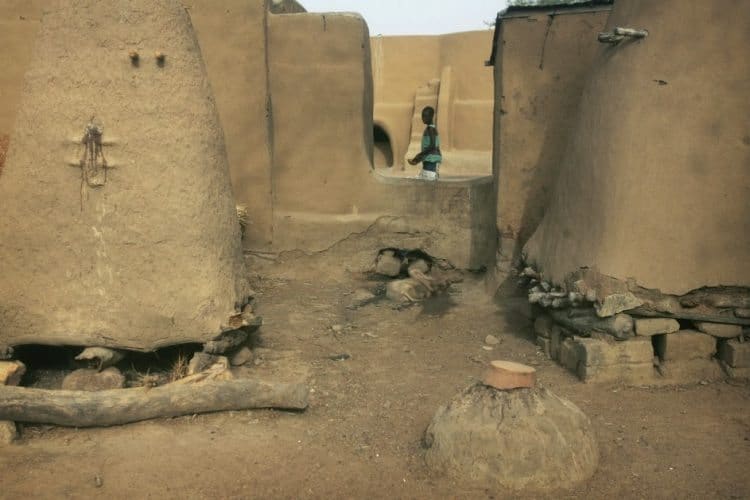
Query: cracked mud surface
<point x="361" y="436"/>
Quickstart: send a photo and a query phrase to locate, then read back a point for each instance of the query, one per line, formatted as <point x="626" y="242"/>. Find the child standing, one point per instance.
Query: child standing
<point x="430" y="155"/>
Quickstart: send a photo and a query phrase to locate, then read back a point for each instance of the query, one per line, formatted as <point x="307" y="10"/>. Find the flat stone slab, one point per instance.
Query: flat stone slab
<point x="655" y="326"/>
<point x="721" y="330"/>
<point x="523" y="439"/>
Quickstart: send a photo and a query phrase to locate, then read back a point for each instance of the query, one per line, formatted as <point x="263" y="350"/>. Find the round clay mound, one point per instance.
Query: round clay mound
<point x="520" y="439"/>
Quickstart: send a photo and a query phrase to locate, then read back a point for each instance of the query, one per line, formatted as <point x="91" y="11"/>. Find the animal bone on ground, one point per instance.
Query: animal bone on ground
<point x="420" y="277"/>
<point x="418" y="286"/>
<point x="103" y="356"/>
<point x="406" y="290"/>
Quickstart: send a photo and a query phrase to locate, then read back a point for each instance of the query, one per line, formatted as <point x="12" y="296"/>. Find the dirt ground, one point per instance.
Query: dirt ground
<point x="4" y="143"/>
<point x="361" y="436"/>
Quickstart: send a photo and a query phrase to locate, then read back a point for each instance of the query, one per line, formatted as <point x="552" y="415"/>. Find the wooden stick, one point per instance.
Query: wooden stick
<point x="122" y="406"/>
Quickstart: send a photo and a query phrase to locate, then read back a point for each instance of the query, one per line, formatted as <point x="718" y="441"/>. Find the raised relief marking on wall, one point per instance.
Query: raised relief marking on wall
<point x="93" y="163"/>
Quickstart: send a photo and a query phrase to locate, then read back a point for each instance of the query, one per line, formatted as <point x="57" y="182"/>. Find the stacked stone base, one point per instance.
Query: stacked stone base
<point x="609" y="330"/>
<point x="662" y="352"/>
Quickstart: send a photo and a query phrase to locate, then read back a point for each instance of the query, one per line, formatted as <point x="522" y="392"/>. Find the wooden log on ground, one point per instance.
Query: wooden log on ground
<point x="122" y="406"/>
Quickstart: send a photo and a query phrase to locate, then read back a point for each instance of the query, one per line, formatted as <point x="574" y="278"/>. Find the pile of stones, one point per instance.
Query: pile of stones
<point x="606" y="330"/>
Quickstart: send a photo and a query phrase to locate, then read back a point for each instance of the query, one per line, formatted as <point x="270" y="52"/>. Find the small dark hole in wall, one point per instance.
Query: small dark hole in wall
<point x="383" y="152"/>
<point x="659" y="342"/>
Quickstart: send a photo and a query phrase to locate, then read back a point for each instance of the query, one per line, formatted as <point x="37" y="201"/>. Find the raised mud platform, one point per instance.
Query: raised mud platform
<point x="449" y="218"/>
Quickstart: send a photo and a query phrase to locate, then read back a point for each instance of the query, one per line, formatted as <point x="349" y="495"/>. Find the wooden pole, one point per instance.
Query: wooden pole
<point x="122" y="406"/>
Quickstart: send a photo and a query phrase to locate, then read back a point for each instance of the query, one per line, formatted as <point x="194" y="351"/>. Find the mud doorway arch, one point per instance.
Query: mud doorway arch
<point x="383" y="151"/>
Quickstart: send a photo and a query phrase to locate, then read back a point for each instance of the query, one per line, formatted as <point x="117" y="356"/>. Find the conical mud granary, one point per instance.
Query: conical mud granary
<point x="655" y="184"/>
<point x="117" y="223"/>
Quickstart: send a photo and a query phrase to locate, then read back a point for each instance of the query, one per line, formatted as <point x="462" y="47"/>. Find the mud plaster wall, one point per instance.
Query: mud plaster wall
<point x="19" y="24"/>
<point x="655" y="183"/>
<point x="145" y="253"/>
<point x="470" y="113"/>
<point x="321" y="95"/>
<point x="314" y="158"/>
<point x="401" y="64"/>
<point x="540" y="69"/>
<point x="232" y="37"/>
<point x="313" y="126"/>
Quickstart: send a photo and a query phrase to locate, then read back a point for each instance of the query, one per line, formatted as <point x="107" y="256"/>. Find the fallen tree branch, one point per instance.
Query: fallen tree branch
<point x="122" y="406"/>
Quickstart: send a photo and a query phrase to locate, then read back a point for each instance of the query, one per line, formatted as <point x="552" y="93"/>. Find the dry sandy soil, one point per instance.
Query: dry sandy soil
<point x="4" y="143"/>
<point x="361" y="436"/>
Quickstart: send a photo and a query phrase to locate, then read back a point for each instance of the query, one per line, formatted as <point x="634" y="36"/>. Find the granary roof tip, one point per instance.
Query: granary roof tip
<point x="521" y="8"/>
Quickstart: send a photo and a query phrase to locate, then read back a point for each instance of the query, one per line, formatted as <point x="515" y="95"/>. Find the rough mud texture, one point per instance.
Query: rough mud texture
<point x="541" y="63"/>
<point x="146" y="253"/>
<point x="652" y="152"/>
<point x="4" y="142"/>
<point x="525" y="439"/>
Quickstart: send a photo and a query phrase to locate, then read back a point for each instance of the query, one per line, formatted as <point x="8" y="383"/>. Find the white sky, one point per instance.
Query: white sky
<point x="411" y="17"/>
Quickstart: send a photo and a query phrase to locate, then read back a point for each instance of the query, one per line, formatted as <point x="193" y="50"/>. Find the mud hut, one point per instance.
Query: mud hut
<point x="118" y="225"/>
<point x="644" y="237"/>
<point x="654" y="183"/>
